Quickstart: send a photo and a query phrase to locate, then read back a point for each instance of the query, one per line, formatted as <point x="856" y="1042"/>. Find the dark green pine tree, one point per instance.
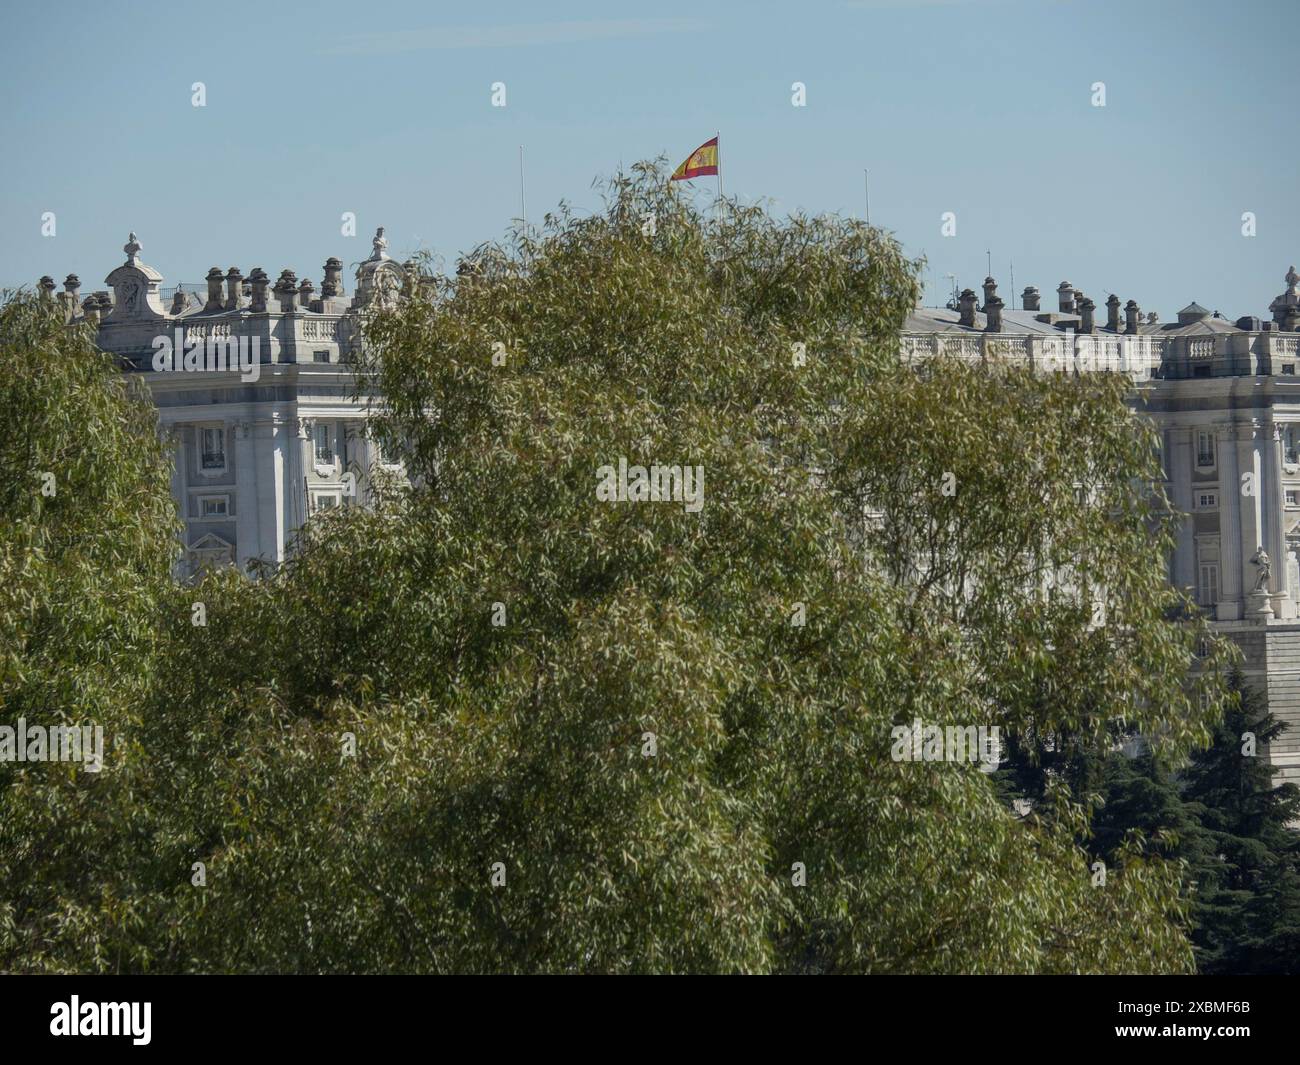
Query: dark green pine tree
<point x="1245" y="860"/>
<point x="1221" y="814"/>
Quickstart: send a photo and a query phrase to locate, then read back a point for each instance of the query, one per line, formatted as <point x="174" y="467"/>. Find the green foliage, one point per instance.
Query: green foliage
<point x="1220" y="816"/>
<point x="1245" y="861"/>
<point x="87" y="534"/>
<point x="525" y="744"/>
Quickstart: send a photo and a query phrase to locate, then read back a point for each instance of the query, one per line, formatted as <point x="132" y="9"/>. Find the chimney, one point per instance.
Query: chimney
<point x="967" y="305"/>
<point x="332" y="286"/>
<point x="95" y="306"/>
<point x="1029" y="298"/>
<point x="233" y="280"/>
<point x="1132" y="315"/>
<point x="993" y="315"/>
<point x="1152" y="318"/>
<point x="258" y="280"/>
<point x="179" y="300"/>
<point x="215" y="302"/>
<point x="287" y="289"/>
<point x="1065" y="294"/>
<point x="46" y="285"/>
<point x="305" y="291"/>
<point x="990" y="291"/>
<point x="68" y="297"/>
<point x="1112" y="313"/>
<point x="1086" y="309"/>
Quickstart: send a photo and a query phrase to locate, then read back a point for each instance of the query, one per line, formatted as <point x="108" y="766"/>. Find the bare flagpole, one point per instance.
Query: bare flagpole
<point x="523" y="214"/>
<point x="718" y="150"/>
<point x="866" y="193"/>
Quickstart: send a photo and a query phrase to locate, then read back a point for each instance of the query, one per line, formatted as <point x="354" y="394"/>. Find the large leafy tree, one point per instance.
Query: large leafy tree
<point x="616" y="736"/>
<point x="87" y="541"/>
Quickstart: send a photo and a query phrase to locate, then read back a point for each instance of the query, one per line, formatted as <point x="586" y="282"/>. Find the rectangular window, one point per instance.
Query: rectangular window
<point x="1293" y="497"/>
<point x="320" y="356"/>
<point x="1204" y="450"/>
<point x="1290" y="440"/>
<point x="1207" y="500"/>
<point x="212" y="447"/>
<point x="326" y="500"/>
<point x="1207" y="587"/>
<point x="214" y="506"/>
<point x="323" y="435"/>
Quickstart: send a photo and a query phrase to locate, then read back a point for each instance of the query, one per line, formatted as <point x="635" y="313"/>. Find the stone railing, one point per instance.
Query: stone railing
<point x="1137" y="355"/>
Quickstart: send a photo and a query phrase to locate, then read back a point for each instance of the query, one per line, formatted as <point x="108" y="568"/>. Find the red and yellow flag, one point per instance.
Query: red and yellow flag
<point x="703" y="162"/>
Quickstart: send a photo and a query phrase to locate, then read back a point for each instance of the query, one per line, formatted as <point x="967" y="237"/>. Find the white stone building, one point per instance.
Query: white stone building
<point x="256" y="451"/>
<point x="1225" y="396"/>
<point x="255" y="456"/>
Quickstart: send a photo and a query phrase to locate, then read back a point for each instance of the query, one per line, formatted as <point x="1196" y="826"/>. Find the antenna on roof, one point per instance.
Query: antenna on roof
<point x="1012" y="265"/>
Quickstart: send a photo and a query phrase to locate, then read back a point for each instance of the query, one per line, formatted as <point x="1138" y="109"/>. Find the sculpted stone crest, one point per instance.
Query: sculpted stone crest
<point x="135" y="289"/>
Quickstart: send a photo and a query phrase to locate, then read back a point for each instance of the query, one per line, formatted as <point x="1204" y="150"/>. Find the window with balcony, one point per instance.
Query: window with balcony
<point x="1205" y="452"/>
<point x="212" y="448"/>
<point x="1207" y="584"/>
<point x="323" y="441"/>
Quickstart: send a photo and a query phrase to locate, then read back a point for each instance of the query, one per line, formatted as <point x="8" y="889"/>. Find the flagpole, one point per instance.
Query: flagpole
<point x="523" y="214"/>
<point x="866" y="193"/>
<point x="718" y="148"/>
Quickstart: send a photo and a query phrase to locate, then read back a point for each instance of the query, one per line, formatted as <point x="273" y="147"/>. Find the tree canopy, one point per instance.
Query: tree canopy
<point x="500" y="722"/>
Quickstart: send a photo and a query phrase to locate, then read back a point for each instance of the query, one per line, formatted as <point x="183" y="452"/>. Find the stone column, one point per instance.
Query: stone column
<point x="1230" y="519"/>
<point x="305" y="461"/>
<point x="246" y="531"/>
<point x="1273" y="513"/>
<point x="1180" y="476"/>
<point x="175" y="435"/>
<point x="277" y="440"/>
<point x="357" y="460"/>
<point x="1249" y="460"/>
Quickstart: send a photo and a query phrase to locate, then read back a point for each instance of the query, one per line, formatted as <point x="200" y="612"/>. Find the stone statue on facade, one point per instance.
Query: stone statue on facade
<point x="1260" y="559"/>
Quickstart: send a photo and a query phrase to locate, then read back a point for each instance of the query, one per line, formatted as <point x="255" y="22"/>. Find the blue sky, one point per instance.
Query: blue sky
<point x="979" y="107"/>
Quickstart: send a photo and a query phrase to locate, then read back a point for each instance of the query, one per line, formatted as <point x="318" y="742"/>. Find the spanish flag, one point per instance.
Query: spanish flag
<point x="703" y="162"/>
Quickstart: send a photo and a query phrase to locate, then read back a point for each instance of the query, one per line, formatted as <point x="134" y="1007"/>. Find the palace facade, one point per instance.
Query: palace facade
<point x="257" y="453"/>
<point x="1225" y="396"/>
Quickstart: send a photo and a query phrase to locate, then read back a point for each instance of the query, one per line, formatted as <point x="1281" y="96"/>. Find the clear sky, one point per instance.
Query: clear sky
<point x="979" y="107"/>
